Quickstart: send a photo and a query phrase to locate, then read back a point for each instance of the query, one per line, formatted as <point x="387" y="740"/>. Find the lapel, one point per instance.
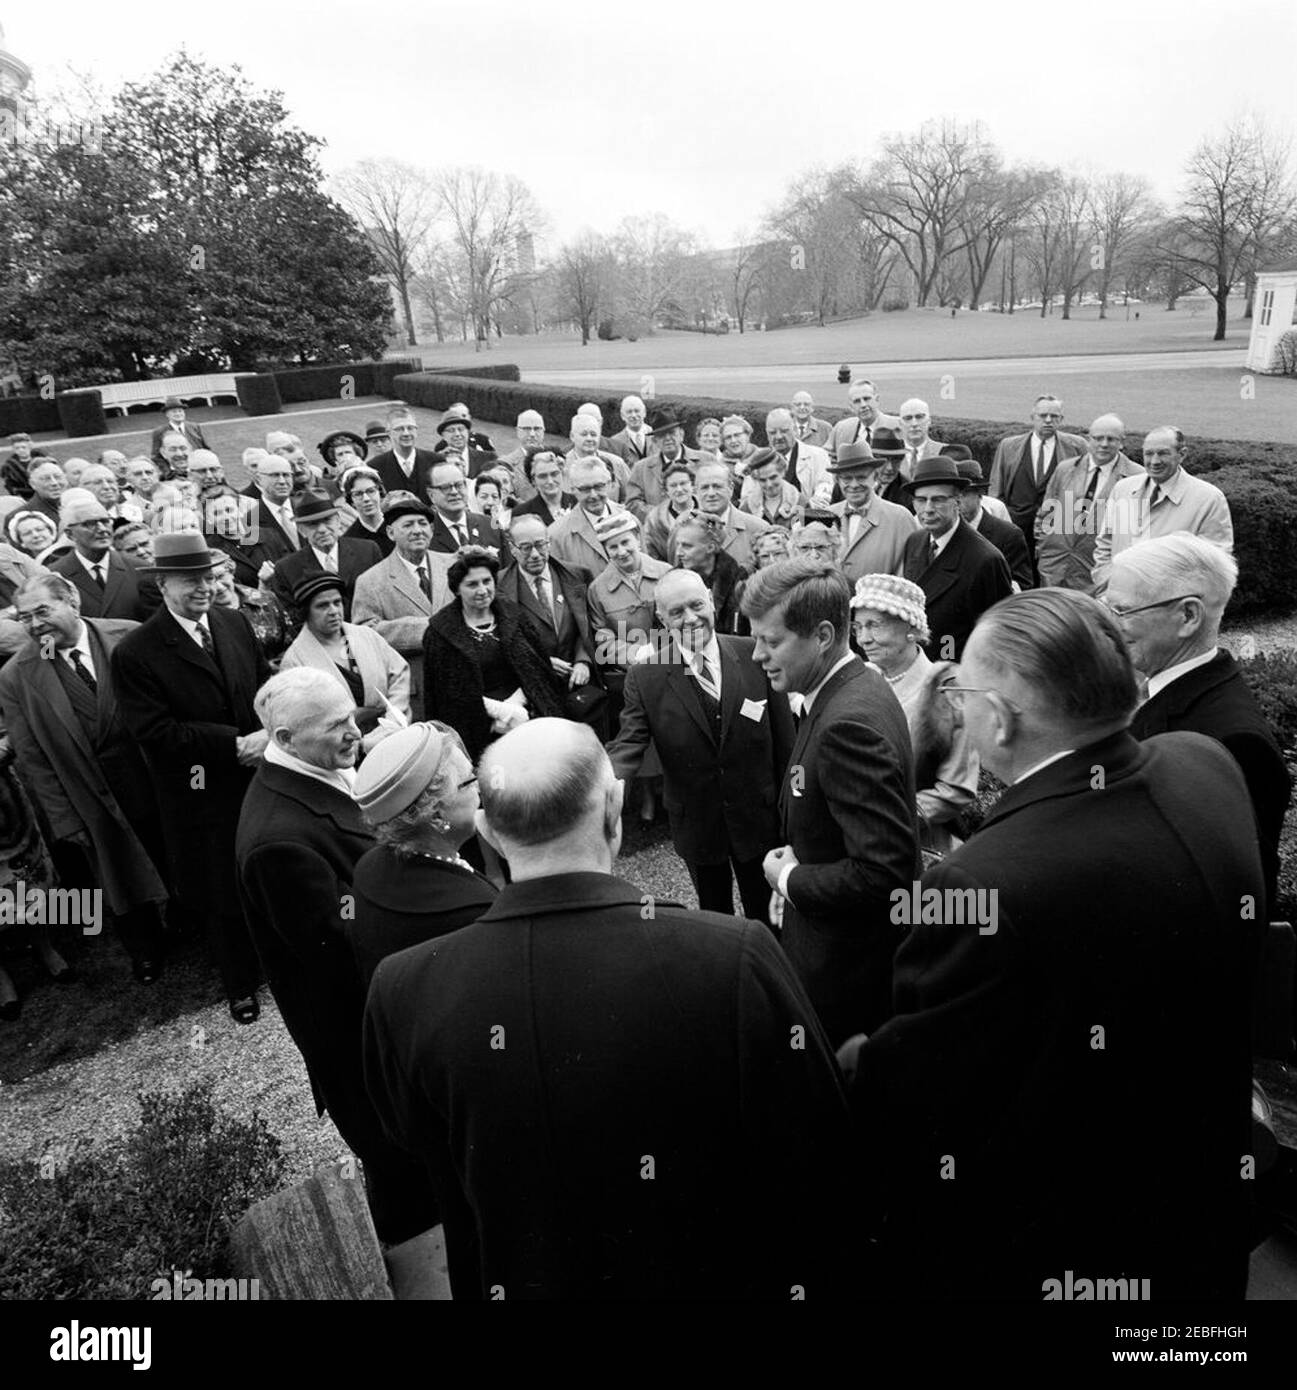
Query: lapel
<point x="1175" y="699"/>
<point x="46" y="689"/>
<point x="103" y="657"/>
<point x="114" y="580"/>
<point x="731" y="687"/>
<point x="678" y="682"/>
<point x="939" y="575"/>
<point x="806" y="726"/>
<point x="405" y="584"/>
<point x="175" y="637"/>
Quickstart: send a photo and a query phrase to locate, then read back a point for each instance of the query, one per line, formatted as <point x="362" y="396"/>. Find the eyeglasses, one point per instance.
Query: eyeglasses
<point x="1122" y="613"/>
<point x="955" y="694"/>
<point x="526" y="546"/>
<point x="589" y="488"/>
<point x="37" y="615"/>
<point x="449" y="487"/>
<point x="466" y="783"/>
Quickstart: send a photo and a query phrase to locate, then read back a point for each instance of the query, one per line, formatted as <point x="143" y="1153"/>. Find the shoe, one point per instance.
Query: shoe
<point x="146" y="970"/>
<point x="245" y="1010"/>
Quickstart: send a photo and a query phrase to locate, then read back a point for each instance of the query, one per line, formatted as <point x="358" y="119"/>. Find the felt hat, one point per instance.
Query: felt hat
<point x="183" y="552"/>
<point x="936" y="470"/>
<point x="853" y="457"/>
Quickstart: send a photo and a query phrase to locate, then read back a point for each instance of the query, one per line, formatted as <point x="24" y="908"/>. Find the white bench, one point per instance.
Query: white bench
<point x="120" y="394"/>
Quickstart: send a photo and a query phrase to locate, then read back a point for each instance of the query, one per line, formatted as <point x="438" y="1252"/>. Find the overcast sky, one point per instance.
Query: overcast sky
<point x="699" y="109"/>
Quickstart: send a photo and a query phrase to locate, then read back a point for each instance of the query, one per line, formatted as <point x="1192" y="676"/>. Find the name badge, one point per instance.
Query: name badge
<point x="754" y="710"/>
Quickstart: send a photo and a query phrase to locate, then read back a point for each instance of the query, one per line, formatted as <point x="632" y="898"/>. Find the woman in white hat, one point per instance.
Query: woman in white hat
<point x="890" y="623"/>
<point x="417" y="793"/>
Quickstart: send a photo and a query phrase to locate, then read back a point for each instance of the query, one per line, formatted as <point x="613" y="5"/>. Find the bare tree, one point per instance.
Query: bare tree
<point x="488" y="217"/>
<point x="656" y="270"/>
<point x="818" y="228"/>
<point x="1121" y="205"/>
<point x="1239" y="190"/>
<point x="583" y="273"/>
<point x="745" y="273"/>
<point x="997" y="204"/>
<point x="396" y="205"/>
<point x="1076" y="259"/>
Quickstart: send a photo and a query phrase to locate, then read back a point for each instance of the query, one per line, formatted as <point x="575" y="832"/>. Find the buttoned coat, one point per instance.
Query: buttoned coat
<point x="127" y="593"/>
<point x="627" y="1036"/>
<point x="848" y="431"/>
<point x="1067" y="527"/>
<point x="574" y="540"/>
<point x="645" y="487"/>
<point x="1186" y="504"/>
<point x="383" y="670"/>
<point x="354" y="558"/>
<point x="847" y="809"/>
<point x="879" y="546"/>
<point x="959" y="586"/>
<point x="92" y="785"/>
<point x="1023" y="1053"/>
<point x="721" y="794"/>
<point x="388" y="599"/>
<point x="573" y="638"/>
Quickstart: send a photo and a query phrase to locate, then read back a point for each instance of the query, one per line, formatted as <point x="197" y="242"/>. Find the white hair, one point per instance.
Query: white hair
<point x="915" y="400"/>
<point x="631" y="400"/>
<point x="289" y="699"/>
<point x="1182" y="564"/>
<point x="582" y="417"/>
<point x="779" y="414"/>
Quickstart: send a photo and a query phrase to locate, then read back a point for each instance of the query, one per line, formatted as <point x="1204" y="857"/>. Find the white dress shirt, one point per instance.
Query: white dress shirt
<point x="82" y="645"/>
<point x="191" y="627"/>
<point x="90" y="566"/>
<point x="342" y="778"/>
<point x="1181" y="668"/>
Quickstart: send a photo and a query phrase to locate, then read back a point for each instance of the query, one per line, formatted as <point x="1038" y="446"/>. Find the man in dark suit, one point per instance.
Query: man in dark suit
<point x="185" y="683"/>
<point x="323" y="548"/>
<point x="272" y="486"/>
<point x="300" y="835"/>
<point x="1048" y="975"/>
<point x="960" y="572"/>
<point x="1025" y="463"/>
<point x="81" y="766"/>
<point x="1168" y="595"/>
<point x="554" y="595"/>
<point x="453" y="525"/>
<point x="723" y="737"/>
<point x="847" y="807"/>
<point x="547" y="1017"/>
<point x="111" y="585"/>
<point x="403" y="467"/>
<point x="176" y="424"/>
<point x="1003" y="535"/>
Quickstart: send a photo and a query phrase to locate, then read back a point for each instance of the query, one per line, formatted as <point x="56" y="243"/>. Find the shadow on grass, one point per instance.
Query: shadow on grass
<point x="104" y="1004"/>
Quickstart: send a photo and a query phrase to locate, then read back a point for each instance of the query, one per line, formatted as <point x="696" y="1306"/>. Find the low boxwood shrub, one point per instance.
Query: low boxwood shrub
<point x="1263" y="508"/>
<point x="28" y="415"/>
<point x="81" y="413"/>
<point x="259" y="394"/>
<point x="105" y="1223"/>
<point x="1272" y="677"/>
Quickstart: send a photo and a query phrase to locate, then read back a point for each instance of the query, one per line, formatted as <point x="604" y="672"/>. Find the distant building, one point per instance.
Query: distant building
<point x="1273" y="306"/>
<point x="14" y="77"/>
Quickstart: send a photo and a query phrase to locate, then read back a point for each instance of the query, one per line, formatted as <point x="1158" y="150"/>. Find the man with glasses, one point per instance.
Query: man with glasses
<point x="1072" y="512"/>
<point x="530" y="430"/>
<point x="574" y="539"/>
<point x="554" y="594"/>
<point x="403" y="467"/>
<point x="874" y="532"/>
<point x="95" y="792"/>
<point x="1095" y="928"/>
<point x="916" y="422"/>
<point x="1168" y="596"/>
<point x="1025" y="463"/>
<point x="453" y="525"/>
<point x="586" y="433"/>
<point x="185" y="683"/>
<point x="272" y="486"/>
<point x="960" y="572"/>
<point x="810" y="429"/>
<point x="110" y="584"/>
<point x="866" y="417"/>
<point x="806" y="465"/>
<point x="1160" y="502"/>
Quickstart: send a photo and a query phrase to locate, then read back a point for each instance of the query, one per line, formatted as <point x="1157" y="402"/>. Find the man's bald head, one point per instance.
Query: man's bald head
<point x="550" y="801"/>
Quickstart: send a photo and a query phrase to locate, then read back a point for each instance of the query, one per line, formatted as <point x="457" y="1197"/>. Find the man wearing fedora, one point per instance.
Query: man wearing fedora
<point x="397" y="596"/>
<point x="874" y="531"/>
<point x="185" y="682"/>
<point x="1025" y="463"/>
<point x="324" y="548"/>
<point x="1002" y="533"/>
<point x="893" y="472"/>
<point x="176" y="424"/>
<point x="459" y="445"/>
<point x="960" y="572"/>
<point x="110" y="584"/>
<point x="646" y="487"/>
<point x="403" y="467"/>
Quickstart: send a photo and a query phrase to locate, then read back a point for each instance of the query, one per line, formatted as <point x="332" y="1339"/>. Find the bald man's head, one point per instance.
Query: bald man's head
<point x="549" y="799"/>
<point x="1107" y="437"/>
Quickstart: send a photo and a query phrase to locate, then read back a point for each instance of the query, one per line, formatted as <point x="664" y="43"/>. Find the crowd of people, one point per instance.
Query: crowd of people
<point x="369" y="726"/>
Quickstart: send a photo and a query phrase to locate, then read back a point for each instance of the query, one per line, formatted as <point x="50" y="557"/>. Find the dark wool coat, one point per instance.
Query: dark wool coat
<point x="452" y="671"/>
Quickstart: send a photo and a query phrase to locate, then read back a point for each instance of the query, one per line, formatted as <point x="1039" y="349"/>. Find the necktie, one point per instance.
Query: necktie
<point x="205" y="638"/>
<point x="932" y="550"/>
<point x="99" y="574"/>
<point x="541" y="587"/>
<point x="703" y="670"/>
<point x="330" y="561"/>
<point x="1042" y="464"/>
<point x="1156" y="496"/>
<point x="82" y="670"/>
<point x="1093" y="485"/>
<point x="286" y="521"/>
<point x="425" y="581"/>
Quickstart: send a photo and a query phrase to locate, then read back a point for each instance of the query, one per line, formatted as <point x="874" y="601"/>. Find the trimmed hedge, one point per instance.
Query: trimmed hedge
<point x="28" y="415"/>
<point x="259" y="395"/>
<point x="1256" y="478"/>
<point x="81" y="413"/>
<point x="327" y="382"/>
<point x="503" y="371"/>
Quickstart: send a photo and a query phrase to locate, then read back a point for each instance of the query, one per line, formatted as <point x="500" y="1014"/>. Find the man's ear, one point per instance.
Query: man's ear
<point x="283" y="738"/>
<point x="1006" y="720"/>
<point x="484" y="830"/>
<point x="614" y="798"/>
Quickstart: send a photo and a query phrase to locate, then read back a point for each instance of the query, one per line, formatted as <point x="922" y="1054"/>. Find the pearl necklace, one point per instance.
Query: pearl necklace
<point x="446" y="859"/>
